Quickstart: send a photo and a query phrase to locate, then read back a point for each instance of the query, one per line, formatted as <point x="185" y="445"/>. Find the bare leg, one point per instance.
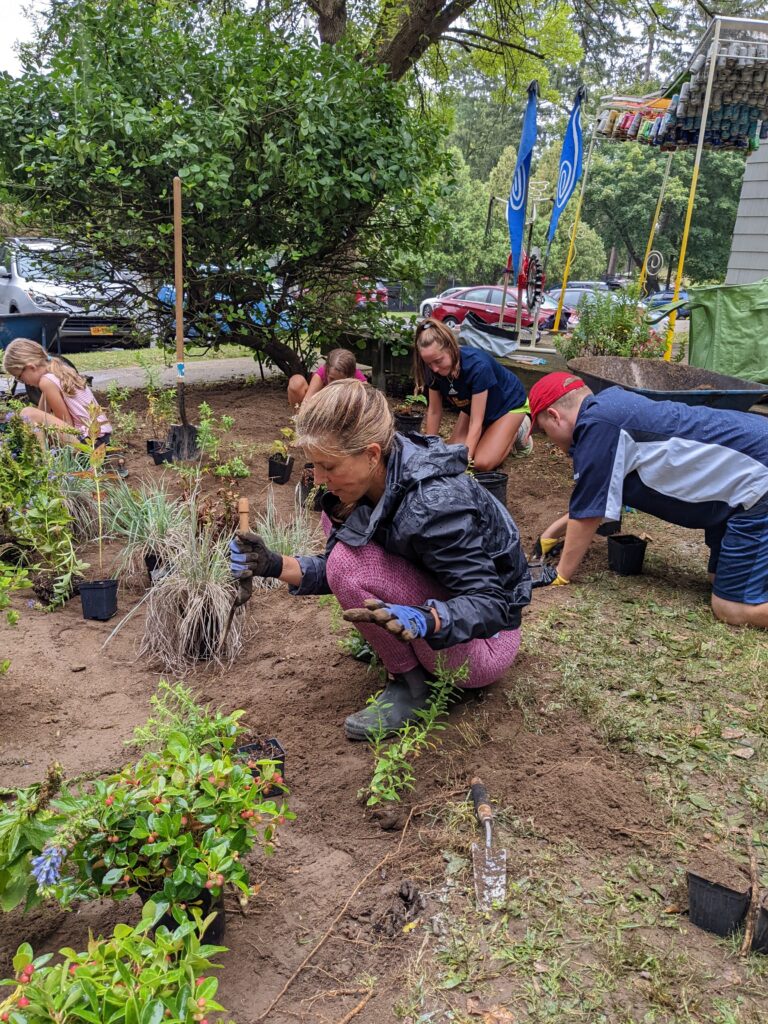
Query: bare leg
<point x="460" y="430"/>
<point x="496" y="442"/>
<point x="297" y="389"/>
<point x="65" y="431"/>
<point x="736" y="614"/>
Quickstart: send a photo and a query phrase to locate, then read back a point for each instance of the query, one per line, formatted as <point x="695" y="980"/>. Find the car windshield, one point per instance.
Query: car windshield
<point x="60" y="265"/>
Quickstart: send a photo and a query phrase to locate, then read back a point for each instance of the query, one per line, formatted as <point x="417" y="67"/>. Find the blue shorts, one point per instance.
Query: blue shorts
<point x="739" y="556"/>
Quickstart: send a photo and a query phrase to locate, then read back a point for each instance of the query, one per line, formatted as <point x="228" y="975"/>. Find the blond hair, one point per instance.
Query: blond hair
<point x="432" y="332"/>
<point x="344" y="419"/>
<point x="24" y="352"/>
<point x="340" y="361"/>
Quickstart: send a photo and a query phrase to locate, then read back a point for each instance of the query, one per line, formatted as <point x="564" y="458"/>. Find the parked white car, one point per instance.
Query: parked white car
<point x="426" y="307"/>
<point x="34" y="279"/>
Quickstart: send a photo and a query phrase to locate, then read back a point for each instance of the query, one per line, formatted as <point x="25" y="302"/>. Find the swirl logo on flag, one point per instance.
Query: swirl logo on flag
<point x="567" y="178"/>
<point x="517" y="192"/>
<point x="570" y="164"/>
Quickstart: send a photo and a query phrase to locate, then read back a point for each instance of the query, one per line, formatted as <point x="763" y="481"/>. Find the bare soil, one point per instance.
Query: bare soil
<point x="70" y="698"/>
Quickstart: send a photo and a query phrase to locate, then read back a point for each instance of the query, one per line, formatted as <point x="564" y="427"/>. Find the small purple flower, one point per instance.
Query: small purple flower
<point x="46" y="868"/>
<point x="8" y="417"/>
<point x="31" y="602"/>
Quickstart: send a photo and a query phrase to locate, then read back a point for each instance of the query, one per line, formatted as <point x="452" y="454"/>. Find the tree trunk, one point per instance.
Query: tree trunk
<point x="282" y="355"/>
<point x="422" y="23"/>
<point x="331" y="20"/>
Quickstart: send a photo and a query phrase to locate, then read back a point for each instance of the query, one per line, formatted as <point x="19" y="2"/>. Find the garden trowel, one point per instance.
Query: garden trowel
<point x="244" y="584"/>
<point x="489" y="865"/>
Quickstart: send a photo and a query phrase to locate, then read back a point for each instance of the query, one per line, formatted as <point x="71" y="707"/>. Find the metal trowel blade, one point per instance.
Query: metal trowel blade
<point x="490" y="869"/>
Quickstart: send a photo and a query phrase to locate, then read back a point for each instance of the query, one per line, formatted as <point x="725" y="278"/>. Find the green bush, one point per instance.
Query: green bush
<point x="612" y="324"/>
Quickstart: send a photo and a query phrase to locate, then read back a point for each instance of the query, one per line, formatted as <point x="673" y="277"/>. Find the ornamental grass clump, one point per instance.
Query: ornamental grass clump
<point x="187" y="610"/>
<point x="143" y="518"/>
<point x="299" y="534"/>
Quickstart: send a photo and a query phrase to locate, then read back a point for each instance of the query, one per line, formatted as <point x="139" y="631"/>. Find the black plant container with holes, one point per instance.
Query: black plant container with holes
<point x="495" y="483"/>
<point x="408" y="422"/>
<point x="269" y="749"/>
<point x="307" y="486"/>
<point x="714" y="907"/>
<point x="161" y="455"/>
<point x="760" y="940"/>
<point x="609" y="528"/>
<point x="153" y="563"/>
<point x="153" y="444"/>
<point x="626" y="554"/>
<point x="99" y="599"/>
<point x="207" y="904"/>
<point x="280" y="470"/>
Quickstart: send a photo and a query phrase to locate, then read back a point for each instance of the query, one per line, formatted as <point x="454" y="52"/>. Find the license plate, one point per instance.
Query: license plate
<point x="103" y="330"/>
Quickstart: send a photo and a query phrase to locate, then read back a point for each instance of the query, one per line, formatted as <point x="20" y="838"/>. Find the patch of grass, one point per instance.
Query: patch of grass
<point x="120" y="358"/>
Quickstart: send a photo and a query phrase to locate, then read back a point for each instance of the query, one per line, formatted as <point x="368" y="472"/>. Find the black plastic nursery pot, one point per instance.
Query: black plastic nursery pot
<point x="214" y="933"/>
<point x="626" y="553"/>
<point x="398" y="385"/>
<point x="264" y="750"/>
<point x="494" y="482"/>
<point x="408" y="422"/>
<point x="760" y="940"/>
<point x="161" y="455"/>
<point x="609" y="528"/>
<point x="152" y="562"/>
<point x="280" y="469"/>
<point x="307" y="486"/>
<point x="153" y="444"/>
<point x="716" y="908"/>
<point x="99" y="598"/>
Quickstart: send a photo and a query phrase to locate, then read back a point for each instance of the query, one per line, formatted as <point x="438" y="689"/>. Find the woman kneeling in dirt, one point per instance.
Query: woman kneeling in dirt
<point x="339" y="364"/>
<point x="419" y="555"/>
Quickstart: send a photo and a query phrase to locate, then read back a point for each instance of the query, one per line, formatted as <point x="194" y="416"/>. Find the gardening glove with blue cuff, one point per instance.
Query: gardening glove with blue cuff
<point x="404" y="621"/>
<point x="249" y="554"/>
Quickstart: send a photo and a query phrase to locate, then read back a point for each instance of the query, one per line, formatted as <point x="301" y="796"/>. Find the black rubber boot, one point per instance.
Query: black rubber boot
<point x="397" y="704"/>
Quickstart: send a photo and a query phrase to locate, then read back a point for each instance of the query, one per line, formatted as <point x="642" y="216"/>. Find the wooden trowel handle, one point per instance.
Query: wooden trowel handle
<point x="481" y="801"/>
<point x="243" y="508"/>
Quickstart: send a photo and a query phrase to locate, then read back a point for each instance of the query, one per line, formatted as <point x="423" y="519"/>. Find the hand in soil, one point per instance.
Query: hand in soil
<point x="403" y="621"/>
<point x="542" y="574"/>
<point x="249" y="553"/>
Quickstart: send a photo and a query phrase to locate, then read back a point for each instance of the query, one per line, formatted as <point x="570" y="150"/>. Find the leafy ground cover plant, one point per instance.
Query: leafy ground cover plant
<point x="178" y="822"/>
<point x="175" y="709"/>
<point x="26" y="825"/>
<point x="393" y="772"/>
<point x="12" y="577"/>
<point x="612" y="324"/>
<point x="234" y="468"/>
<point x="127" y="978"/>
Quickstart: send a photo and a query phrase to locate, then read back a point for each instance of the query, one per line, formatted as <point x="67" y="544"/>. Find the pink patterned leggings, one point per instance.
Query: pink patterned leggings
<point x="355" y="574"/>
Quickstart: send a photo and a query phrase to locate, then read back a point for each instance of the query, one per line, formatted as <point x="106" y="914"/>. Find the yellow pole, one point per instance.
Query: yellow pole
<point x="713" y="51"/>
<point x="577" y="218"/>
<point x="654" y="222"/>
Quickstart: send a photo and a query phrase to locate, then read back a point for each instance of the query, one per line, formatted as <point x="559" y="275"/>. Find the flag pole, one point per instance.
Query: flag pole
<point x="654" y="222"/>
<point x="520" y="177"/>
<point x="577" y="218"/>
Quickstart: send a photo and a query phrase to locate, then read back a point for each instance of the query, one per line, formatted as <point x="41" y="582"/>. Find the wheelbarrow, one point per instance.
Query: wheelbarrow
<point x="675" y="382"/>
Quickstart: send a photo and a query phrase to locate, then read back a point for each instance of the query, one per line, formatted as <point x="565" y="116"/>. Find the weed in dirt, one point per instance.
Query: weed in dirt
<point x="393" y="772"/>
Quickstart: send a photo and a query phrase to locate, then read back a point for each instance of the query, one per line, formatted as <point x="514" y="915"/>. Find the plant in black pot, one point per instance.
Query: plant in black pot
<point x="98" y="597"/>
<point x="280" y="462"/>
<point x="143" y="517"/>
<point x="309" y="495"/>
<point x="409" y="414"/>
<point x="175" y="828"/>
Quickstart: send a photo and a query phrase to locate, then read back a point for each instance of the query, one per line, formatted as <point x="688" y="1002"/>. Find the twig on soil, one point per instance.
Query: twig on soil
<point x="356" y="1009"/>
<point x="754" y="901"/>
<point x="377" y="867"/>
<point x="334" y="993"/>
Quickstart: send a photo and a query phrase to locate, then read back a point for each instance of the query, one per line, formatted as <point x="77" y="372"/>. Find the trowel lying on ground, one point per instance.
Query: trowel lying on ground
<point x="489" y="865"/>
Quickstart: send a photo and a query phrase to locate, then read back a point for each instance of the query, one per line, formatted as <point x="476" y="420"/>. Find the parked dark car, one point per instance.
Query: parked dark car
<point x="666" y="296"/>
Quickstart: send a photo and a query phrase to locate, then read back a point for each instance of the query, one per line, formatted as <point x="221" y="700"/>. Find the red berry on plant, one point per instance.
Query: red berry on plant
<point x="183" y="819"/>
<point x="201" y="1002"/>
<point x="278" y="778"/>
<point x="199" y="981"/>
<point x="151" y="838"/>
<point x="220" y="879"/>
<point x="72" y="969"/>
<point x="212" y="779"/>
<point x="23" y="1001"/>
<point x="5" y="1016"/>
<point x="210" y="883"/>
<point x="109" y="801"/>
<point x="281" y="819"/>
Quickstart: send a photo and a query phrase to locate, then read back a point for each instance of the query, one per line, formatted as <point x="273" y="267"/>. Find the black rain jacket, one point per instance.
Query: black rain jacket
<point x="438" y="517"/>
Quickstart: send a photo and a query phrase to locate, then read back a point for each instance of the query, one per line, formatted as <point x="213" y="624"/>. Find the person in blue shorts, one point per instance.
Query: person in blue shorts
<point x="493" y="409"/>
<point x="703" y="468"/>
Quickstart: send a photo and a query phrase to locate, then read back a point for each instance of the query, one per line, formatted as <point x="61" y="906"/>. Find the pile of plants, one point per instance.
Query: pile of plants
<point x="176" y="827"/>
<point x="612" y="324"/>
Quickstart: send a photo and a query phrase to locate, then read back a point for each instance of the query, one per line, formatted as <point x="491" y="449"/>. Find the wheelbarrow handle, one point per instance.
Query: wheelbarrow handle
<point x="481" y="800"/>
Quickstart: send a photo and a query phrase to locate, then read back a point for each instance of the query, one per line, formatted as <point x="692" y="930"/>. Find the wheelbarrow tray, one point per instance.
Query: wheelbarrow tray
<point x="663" y="381"/>
<point x="40" y="327"/>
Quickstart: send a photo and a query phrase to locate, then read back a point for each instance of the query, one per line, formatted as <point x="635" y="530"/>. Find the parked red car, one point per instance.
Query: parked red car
<point x="484" y="301"/>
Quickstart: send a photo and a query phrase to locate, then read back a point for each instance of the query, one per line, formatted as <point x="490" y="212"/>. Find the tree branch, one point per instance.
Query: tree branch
<point x="505" y="44"/>
<point x="423" y="23"/>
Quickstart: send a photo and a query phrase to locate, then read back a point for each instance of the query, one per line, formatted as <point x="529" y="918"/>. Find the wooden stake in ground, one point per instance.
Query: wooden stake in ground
<point x="754" y="903"/>
<point x="182" y="437"/>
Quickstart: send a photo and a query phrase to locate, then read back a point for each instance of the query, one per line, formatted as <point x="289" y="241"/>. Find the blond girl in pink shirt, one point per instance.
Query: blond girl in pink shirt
<point x="66" y="401"/>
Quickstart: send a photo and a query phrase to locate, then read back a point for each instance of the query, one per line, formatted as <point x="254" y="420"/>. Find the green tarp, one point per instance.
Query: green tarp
<point x="729" y="329"/>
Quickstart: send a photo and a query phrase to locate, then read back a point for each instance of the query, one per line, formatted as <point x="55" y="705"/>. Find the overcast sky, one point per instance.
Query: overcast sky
<point x="15" y="26"/>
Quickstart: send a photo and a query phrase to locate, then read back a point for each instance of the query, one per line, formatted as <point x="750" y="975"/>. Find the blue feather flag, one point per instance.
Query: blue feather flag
<point x="570" y="163"/>
<point x="518" y="193"/>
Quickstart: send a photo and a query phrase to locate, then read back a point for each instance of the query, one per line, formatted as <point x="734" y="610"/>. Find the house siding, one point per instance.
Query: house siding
<point x="749" y="249"/>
